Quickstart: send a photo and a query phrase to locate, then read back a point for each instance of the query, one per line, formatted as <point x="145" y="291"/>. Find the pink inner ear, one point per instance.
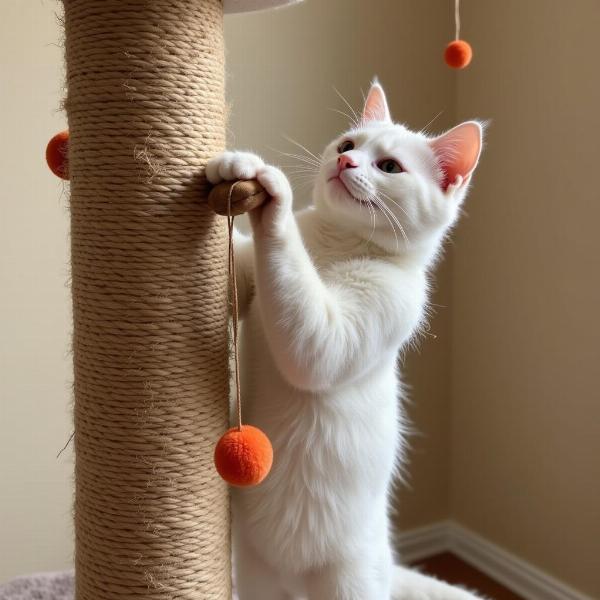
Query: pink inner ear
<point x="376" y="108"/>
<point x="458" y="151"/>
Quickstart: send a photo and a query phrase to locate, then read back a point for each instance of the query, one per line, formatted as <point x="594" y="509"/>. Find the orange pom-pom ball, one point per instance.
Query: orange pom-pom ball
<point x="57" y="154"/>
<point x="458" y="54"/>
<point x="244" y="457"/>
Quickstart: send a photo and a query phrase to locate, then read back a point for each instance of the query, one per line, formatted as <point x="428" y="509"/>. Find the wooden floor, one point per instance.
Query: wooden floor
<point x="452" y="569"/>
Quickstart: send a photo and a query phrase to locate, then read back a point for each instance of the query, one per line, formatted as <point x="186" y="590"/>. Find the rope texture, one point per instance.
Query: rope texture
<point x="149" y="280"/>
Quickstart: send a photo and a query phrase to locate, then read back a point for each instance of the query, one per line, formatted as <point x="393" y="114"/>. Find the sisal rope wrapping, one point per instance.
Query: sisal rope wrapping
<point x="145" y="108"/>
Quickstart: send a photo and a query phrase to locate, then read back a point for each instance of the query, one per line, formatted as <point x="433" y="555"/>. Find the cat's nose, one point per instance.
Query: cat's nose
<point x="345" y="162"/>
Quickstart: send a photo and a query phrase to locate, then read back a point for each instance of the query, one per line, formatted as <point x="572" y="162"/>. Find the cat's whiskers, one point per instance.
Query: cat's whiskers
<point x="356" y="119"/>
<point x="302" y="177"/>
<point x="307" y="159"/>
<point x="424" y="129"/>
<point x="352" y="120"/>
<point x="303" y="174"/>
<point x="302" y="181"/>
<point x="302" y="186"/>
<point x="385" y="211"/>
<point x="369" y="205"/>
<point x="396" y="220"/>
<point x="309" y="153"/>
<point x="305" y="171"/>
<point x="302" y="165"/>
<point x="373" y="220"/>
<point x="392" y="201"/>
<point x="401" y="208"/>
<point x="301" y="171"/>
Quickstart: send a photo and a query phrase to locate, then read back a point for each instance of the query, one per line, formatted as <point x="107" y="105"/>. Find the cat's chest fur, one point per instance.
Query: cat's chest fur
<point x="329" y="245"/>
<point x="329" y="446"/>
<point x="334" y="455"/>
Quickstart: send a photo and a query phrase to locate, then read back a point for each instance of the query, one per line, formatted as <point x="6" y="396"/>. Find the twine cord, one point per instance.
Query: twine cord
<point x="233" y="291"/>
<point x="66" y="444"/>
<point x="457" y="19"/>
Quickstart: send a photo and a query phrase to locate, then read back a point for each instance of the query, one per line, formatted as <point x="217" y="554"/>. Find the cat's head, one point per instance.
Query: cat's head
<point x="401" y="189"/>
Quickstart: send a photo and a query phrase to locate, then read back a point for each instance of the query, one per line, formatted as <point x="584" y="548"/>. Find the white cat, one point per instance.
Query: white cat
<point x="329" y="296"/>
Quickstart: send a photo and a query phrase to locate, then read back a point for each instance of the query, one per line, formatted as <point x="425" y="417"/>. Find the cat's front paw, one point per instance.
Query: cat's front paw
<point x="231" y="166"/>
<point x="271" y="217"/>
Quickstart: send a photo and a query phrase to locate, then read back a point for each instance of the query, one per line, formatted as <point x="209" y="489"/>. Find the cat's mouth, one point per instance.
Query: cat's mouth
<point x="337" y="180"/>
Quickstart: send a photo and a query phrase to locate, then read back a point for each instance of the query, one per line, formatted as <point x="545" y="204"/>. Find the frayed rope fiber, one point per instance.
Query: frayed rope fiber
<point x="149" y="282"/>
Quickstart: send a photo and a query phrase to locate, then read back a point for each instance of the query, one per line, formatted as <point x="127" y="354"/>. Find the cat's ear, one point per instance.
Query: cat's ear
<point x="458" y="152"/>
<point x="376" y="108"/>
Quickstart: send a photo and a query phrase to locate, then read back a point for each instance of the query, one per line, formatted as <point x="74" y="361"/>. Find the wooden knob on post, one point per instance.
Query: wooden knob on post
<point x="245" y="195"/>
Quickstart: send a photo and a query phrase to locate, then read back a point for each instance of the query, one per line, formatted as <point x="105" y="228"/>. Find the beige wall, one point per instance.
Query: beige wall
<point x="35" y="487"/>
<point x="526" y="405"/>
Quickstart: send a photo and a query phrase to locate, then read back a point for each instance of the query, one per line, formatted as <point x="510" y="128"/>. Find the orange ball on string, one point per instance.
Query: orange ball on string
<point x="458" y="54"/>
<point x="243" y="457"/>
<point x="57" y="154"/>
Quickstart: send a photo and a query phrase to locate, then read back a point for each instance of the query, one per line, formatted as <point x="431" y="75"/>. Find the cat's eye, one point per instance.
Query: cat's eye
<point x="346" y="146"/>
<point x="389" y="165"/>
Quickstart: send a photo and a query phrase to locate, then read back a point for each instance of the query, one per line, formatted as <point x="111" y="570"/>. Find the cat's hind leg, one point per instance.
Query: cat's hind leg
<point x="254" y="578"/>
<point x="358" y="579"/>
<point x="411" y="585"/>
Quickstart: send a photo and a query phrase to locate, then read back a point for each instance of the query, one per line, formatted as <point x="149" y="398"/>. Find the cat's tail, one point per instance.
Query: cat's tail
<point x="408" y="584"/>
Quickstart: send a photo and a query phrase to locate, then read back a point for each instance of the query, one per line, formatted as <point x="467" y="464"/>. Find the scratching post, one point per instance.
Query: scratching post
<point x="145" y="108"/>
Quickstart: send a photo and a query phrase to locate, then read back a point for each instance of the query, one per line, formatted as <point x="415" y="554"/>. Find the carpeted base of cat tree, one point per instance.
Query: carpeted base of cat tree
<point x="44" y="586"/>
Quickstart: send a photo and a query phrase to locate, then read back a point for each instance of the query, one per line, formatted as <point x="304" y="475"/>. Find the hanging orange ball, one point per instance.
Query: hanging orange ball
<point x="57" y="154"/>
<point x="458" y="54"/>
<point x="243" y="457"/>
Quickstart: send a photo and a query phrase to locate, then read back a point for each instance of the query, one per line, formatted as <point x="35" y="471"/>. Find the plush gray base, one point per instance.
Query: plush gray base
<point x="41" y="586"/>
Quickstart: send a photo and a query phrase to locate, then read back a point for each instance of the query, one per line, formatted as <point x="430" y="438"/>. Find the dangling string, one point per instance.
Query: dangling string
<point x="457" y="19"/>
<point x="234" y="306"/>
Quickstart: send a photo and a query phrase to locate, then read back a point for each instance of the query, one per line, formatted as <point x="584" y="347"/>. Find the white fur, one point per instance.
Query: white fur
<point x="329" y="296"/>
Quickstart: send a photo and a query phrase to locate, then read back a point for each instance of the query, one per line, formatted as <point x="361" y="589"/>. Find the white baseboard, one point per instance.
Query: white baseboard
<point x="423" y="542"/>
<point x="511" y="571"/>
